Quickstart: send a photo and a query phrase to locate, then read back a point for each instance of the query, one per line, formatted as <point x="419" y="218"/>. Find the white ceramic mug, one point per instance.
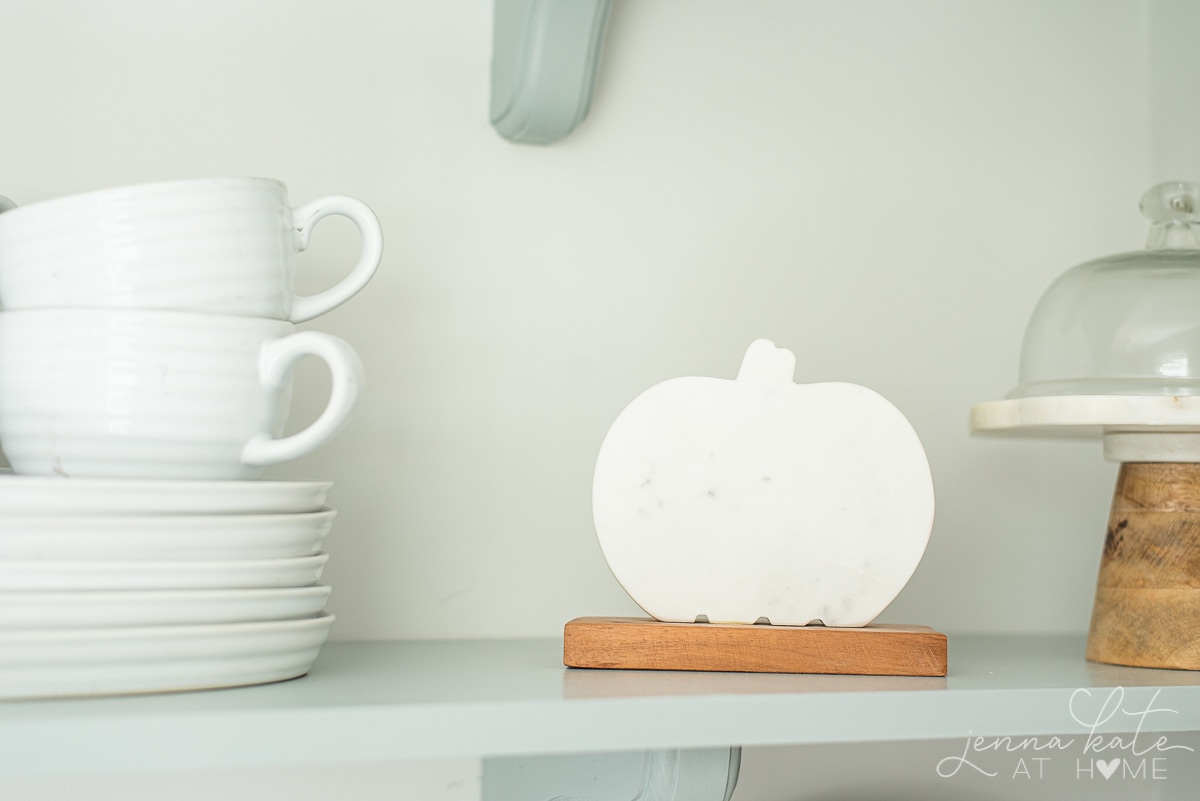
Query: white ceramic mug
<point x="147" y="394"/>
<point x="216" y="246"/>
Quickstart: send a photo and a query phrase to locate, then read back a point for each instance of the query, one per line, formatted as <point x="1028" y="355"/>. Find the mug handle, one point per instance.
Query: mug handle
<point x="6" y="204"/>
<point x="359" y="213"/>
<point x="276" y="361"/>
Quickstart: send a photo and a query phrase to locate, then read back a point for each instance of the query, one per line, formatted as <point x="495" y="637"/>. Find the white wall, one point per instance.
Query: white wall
<point x="1174" y="59"/>
<point x="885" y="188"/>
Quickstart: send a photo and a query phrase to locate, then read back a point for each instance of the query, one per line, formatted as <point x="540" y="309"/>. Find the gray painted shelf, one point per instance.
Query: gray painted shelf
<point x="372" y="701"/>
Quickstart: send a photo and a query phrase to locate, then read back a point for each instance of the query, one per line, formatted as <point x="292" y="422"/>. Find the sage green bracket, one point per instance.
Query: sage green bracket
<point x="545" y="59"/>
<point x="700" y="774"/>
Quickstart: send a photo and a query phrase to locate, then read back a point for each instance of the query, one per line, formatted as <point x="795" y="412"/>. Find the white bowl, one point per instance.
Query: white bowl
<point x="106" y="609"/>
<point x="164" y="538"/>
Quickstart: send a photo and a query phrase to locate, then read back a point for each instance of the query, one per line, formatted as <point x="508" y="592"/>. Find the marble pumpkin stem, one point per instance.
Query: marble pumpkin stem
<point x="1147" y="607"/>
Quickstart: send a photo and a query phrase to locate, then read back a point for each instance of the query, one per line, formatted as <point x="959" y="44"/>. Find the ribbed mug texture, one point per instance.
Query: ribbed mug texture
<point x="137" y="394"/>
<point x="216" y="246"/>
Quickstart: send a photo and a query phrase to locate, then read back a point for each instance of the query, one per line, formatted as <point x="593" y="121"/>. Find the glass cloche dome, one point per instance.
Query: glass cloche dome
<point x="1127" y="324"/>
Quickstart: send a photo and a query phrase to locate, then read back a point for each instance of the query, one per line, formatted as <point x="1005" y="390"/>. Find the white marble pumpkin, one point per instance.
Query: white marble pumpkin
<point x="761" y="498"/>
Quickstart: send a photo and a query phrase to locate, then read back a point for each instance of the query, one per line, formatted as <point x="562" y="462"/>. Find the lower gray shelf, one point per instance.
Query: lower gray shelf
<point x="379" y="701"/>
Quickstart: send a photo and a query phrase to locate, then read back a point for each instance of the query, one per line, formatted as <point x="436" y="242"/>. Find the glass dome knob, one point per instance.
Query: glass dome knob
<point x="1173" y="209"/>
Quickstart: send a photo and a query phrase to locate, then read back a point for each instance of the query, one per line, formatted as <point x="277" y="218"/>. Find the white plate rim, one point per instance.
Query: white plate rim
<point x="14" y="638"/>
<point x="164" y="538"/>
<point x="134" y="497"/>
<point x="149" y="596"/>
<point x="242" y="654"/>
<point x="47" y="610"/>
<point x="30" y="575"/>
<point x="160" y="565"/>
<point x="104" y="522"/>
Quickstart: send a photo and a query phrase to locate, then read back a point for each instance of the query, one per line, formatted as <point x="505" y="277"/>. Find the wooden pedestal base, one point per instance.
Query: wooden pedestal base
<point x="1147" y="607"/>
<point x="645" y="644"/>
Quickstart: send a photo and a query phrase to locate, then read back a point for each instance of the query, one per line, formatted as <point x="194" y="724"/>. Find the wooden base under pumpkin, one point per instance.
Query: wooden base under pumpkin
<point x="1147" y="607"/>
<point x="645" y="644"/>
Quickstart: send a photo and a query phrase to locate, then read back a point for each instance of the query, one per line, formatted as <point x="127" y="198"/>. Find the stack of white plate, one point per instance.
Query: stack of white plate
<point x="131" y="586"/>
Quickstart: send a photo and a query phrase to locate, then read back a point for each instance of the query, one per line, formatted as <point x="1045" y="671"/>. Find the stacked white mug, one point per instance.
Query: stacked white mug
<point x="147" y="335"/>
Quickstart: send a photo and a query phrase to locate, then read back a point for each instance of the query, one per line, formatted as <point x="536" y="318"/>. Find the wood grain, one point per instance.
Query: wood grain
<point x="1147" y="604"/>
<point x="1146" y="628"/>
<point x="1157" y="485"/>
<point x="1153" y="549"/>
<point x="626" y="643"/>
